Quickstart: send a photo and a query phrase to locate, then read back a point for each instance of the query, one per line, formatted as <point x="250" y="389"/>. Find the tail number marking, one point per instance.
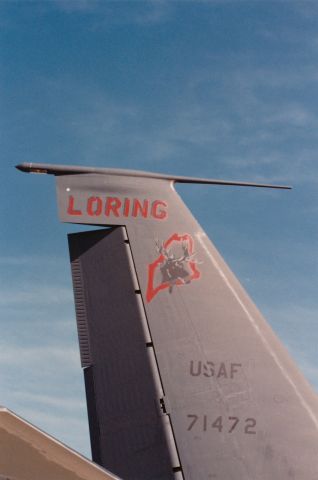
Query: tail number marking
<point x="220" y="424"/>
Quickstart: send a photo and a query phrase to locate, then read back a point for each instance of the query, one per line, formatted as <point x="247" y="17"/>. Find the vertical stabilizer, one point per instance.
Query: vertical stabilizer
<point x="238" y="406"/>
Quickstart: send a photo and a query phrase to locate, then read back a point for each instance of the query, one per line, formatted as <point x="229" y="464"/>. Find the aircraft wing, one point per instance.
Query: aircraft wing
<point x="27" y="453"/>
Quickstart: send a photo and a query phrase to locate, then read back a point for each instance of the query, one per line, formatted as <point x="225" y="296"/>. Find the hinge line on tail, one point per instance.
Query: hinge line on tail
<point x="175" y="458"/>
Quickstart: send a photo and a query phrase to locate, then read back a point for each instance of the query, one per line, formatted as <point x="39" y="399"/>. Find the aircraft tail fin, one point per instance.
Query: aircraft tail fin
<point x="237" y="405"/>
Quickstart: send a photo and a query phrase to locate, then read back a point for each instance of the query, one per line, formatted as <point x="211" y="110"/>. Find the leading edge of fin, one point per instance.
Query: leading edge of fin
<point x="50" y="169"/>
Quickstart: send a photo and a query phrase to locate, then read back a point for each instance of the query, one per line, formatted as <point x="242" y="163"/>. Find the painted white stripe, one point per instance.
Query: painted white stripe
<point x="200" y="236"/>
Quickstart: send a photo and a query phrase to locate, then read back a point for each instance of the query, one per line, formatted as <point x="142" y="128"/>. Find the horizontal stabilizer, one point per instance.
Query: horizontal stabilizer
<point x="75" y="170"/>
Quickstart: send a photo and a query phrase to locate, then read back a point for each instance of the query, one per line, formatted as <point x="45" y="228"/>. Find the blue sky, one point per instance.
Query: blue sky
<point x="221" y="89"/>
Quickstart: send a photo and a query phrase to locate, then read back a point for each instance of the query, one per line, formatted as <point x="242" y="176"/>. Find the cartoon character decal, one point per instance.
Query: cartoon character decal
<point x="175" y="265"/>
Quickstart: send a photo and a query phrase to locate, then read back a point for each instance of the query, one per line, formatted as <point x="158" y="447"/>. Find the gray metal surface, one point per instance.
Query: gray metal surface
<point x="126" y="422"/>
<point x="239" y="407"/>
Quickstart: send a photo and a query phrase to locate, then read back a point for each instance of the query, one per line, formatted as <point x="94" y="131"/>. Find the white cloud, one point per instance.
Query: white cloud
<point x="30" y="260"/>
<point x="155" y="11"/>
<point x="35" y="295"/>
<point x="77" y="6"/>
<point x="106" y="13"/>
<point x="65" y="403"/>
<point x="53" y="356"/>
<point x="292" y="115"/>
<point x="308" y="9"/>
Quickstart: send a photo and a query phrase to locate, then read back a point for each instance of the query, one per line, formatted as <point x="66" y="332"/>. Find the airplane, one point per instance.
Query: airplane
<point x="184" y="378"/>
